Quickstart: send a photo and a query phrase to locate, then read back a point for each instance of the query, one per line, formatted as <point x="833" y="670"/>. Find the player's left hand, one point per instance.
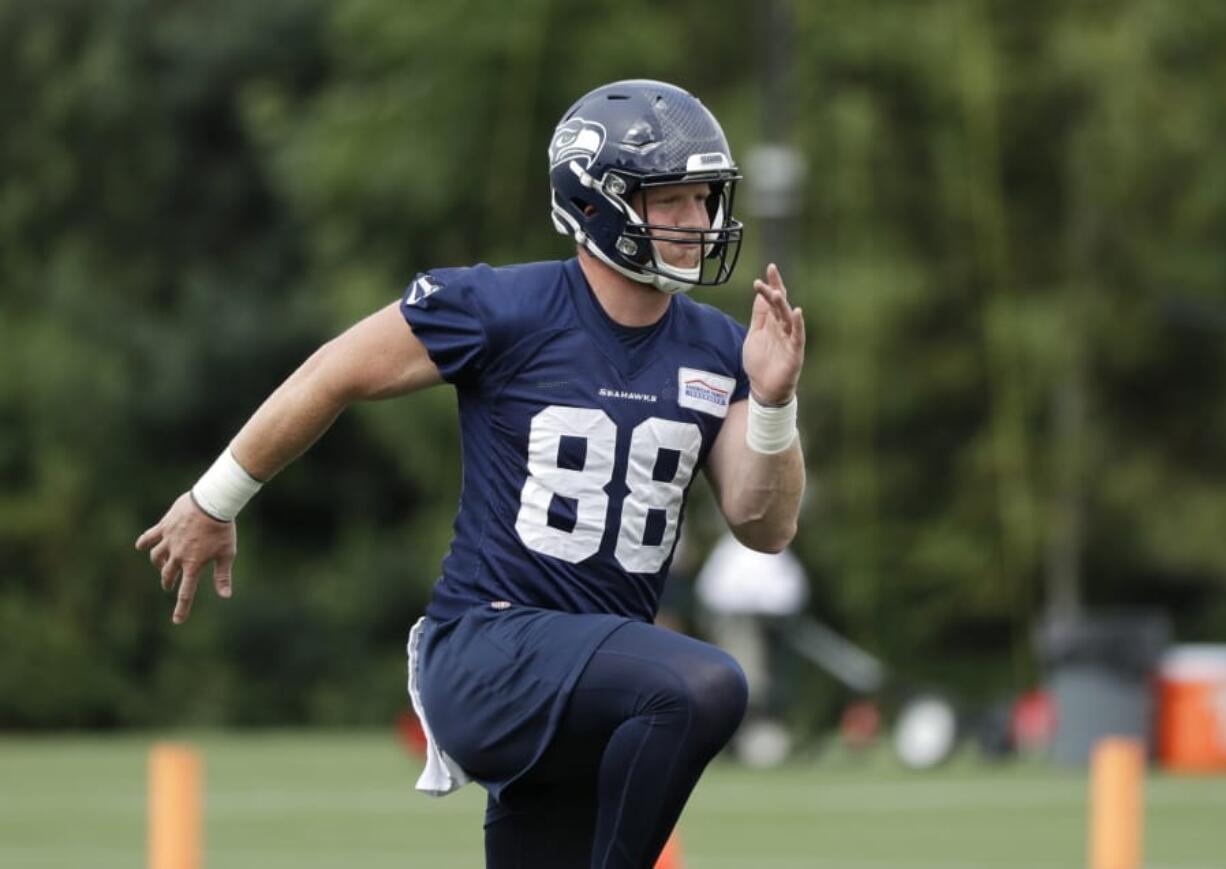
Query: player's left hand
<point x="774" y="349"/>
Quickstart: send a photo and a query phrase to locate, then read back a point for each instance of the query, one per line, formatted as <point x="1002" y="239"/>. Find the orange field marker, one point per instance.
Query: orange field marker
<point x="1117" y="771"/>
<point x="670" y="857"/>
<point x="174" y="807"/>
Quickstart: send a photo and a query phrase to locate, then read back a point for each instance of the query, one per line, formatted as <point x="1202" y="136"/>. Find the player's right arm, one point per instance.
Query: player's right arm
<point x="376" y="358"/>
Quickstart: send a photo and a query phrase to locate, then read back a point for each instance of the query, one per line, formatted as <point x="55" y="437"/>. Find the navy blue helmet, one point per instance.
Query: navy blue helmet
<point x="619" y="140"/>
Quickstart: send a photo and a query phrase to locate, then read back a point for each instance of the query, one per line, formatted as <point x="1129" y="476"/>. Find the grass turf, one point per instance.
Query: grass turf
<point x="315" y="799"/>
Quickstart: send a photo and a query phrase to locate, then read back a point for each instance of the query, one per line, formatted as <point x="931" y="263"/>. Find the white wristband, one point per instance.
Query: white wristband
<point x="225" y="488"/>
<point x="770" y="429"/>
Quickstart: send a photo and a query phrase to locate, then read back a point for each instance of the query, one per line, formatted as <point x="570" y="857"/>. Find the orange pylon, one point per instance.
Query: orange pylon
<point x="175" y="794"/>
<point x="1117" y="803"/>
<point x="670" y="857"/>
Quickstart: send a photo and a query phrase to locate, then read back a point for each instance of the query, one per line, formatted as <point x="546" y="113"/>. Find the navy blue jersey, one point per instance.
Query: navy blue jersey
<point x="579" y="447"/>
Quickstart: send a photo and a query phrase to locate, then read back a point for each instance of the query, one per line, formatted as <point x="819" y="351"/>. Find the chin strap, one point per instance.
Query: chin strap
<point x="670" y="286"/>
<point x="667" y="285"/>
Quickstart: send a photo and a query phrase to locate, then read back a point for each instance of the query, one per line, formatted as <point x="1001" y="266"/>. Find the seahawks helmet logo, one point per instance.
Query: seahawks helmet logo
<point x="576" y="139"/>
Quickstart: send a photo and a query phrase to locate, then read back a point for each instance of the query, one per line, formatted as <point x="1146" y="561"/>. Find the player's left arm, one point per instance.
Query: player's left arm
<point x="759" y="492"/>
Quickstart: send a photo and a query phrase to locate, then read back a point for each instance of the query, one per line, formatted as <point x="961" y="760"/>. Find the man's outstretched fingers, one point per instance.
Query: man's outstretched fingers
<point x="760" y="312"/>
<point x="773" y="296"/>
<point x="775" y="279"/>
<point x="170" y="572"/>
<point x="150" y="537"/>
<point x="187" y="591"/>
<point x="221" y="575"/>
<point x="782" y="306"/>
<point x="158" y="554"/>
<point x="780" y="309"/>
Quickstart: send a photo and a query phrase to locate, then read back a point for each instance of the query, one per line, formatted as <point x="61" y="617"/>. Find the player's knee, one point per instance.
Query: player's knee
<point x="698" y="690"/>
<point x="722" y="696"/>
<point x="712" y="695"/>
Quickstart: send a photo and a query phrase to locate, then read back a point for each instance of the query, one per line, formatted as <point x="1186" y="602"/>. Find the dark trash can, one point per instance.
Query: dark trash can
<point x="1100" y="672"/>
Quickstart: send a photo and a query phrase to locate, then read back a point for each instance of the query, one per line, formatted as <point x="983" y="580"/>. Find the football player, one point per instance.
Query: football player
<point x="590" y="393"/>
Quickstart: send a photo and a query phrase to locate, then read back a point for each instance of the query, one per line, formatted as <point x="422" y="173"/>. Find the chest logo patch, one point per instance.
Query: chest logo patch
<point x="703" y="391"/>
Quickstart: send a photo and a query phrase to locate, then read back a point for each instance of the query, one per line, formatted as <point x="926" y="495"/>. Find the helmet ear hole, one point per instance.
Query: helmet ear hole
<point x="587" y="209"/>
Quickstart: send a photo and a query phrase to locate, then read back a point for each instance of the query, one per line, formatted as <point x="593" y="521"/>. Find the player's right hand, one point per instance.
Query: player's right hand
<point x="182" y="544"/>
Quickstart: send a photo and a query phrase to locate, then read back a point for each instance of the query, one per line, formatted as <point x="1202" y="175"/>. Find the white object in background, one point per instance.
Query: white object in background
<point x="737" y="579"/>
<point x="762" y="743"/>
<point x="926" y="732"/>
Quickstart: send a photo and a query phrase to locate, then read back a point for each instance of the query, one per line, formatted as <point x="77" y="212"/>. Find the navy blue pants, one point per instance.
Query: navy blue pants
<point x="649" y="711"/>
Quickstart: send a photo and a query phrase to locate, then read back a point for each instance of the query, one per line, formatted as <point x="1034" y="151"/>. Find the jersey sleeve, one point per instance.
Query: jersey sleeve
<point x="450" y="313"/>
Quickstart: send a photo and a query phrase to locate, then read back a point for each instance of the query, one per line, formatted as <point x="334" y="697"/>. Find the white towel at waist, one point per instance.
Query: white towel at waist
<point x="442" y="775"/>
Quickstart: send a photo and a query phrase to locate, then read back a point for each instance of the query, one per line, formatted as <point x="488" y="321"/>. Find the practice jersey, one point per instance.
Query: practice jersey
<point x="579" y="449"/>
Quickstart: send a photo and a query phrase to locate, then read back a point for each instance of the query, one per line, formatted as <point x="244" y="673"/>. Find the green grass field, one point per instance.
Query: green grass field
<point x="312" y="799"/>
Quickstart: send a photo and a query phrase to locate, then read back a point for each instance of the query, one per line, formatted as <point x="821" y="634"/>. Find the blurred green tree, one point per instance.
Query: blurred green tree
<point x="1009" y="254"/>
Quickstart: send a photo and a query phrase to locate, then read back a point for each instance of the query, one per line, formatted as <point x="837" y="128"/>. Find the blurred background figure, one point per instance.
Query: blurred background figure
<point x="742" y="597"/>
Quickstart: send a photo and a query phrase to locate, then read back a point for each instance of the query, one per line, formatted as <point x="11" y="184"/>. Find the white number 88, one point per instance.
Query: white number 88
<point x="586" y="487"/>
